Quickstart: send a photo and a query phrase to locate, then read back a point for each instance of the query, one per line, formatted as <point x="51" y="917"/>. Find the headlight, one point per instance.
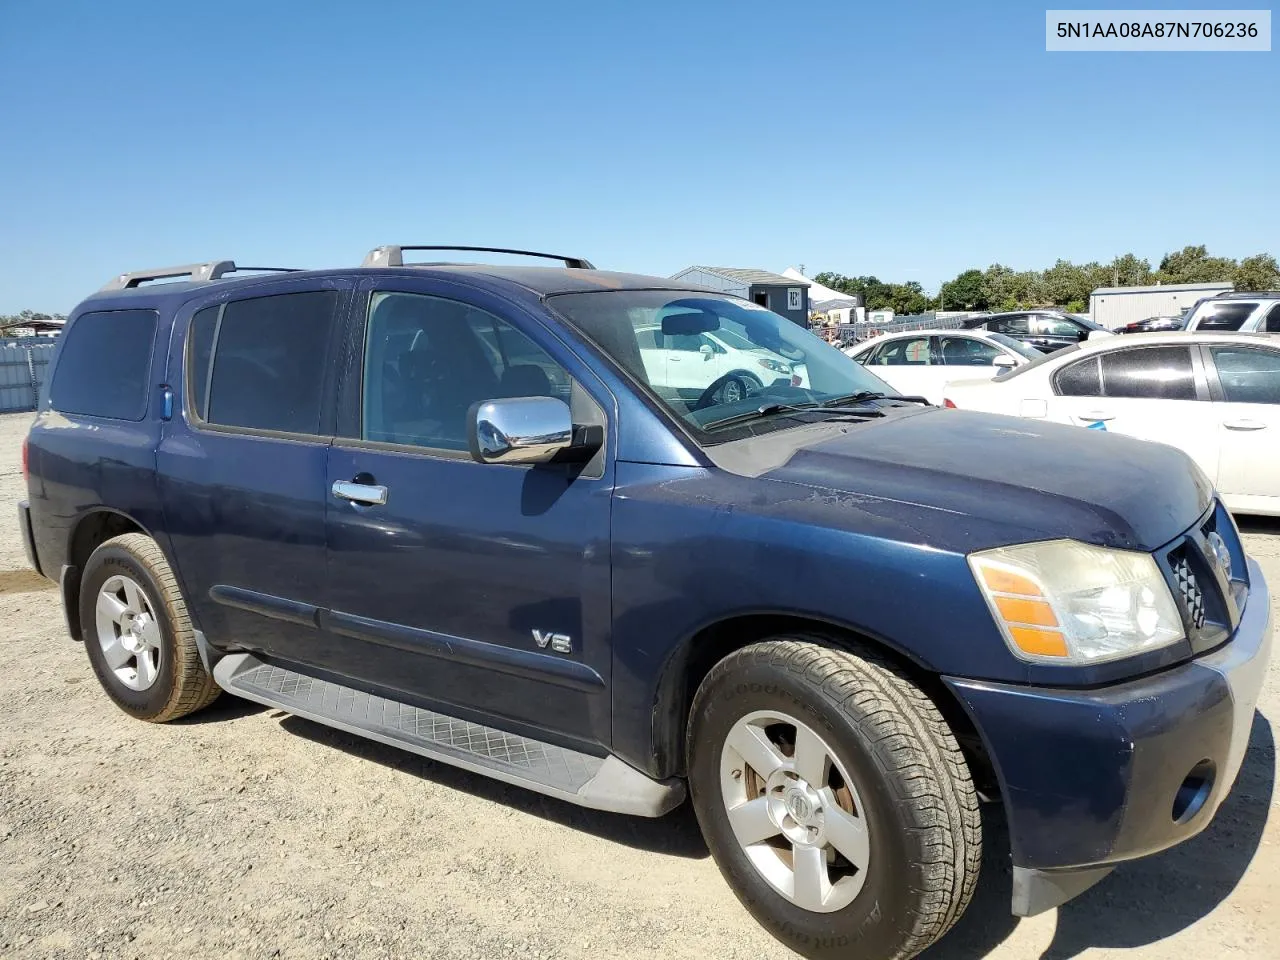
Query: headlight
<point x="1068" y="602"/>
<point x="774" y="365"/>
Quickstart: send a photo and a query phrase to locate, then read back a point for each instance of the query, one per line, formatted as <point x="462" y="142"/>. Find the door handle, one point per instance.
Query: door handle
<point x="359" y="492"/>
<point x="1244" y="425"/>
<point x="1097" y="415"/>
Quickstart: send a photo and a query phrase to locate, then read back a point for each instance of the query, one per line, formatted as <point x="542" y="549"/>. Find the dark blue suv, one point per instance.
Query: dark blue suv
<point x="610" y="537"/>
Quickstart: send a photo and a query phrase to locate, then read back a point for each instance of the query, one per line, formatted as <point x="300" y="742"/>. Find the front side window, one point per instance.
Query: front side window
<point x="1162" y="373"/>
<point x="260" y="363"/>
<point x="427" y="360"/>
<point x="1272" y="322"/>
<point x="768" y="359"/>
<point x="104" y="367"/>
<point x="1248" y="375"/>
<point x="967" y="352"/>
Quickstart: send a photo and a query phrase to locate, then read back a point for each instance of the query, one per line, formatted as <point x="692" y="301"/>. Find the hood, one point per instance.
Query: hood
<point x="966" y="481"/>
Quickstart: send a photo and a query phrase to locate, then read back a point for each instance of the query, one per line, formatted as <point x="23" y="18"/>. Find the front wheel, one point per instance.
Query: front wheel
<point x="834" y="798"/>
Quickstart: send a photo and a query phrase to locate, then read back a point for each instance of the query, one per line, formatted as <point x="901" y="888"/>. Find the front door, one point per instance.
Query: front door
<point x="1248" y="414"/>
<point x="1152" y="393"/>
<point x="481" y="589"/>
<point x="241" y="463"/>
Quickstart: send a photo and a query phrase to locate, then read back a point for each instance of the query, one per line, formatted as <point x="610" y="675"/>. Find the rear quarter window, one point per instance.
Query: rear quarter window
<point x="105" y="364"/>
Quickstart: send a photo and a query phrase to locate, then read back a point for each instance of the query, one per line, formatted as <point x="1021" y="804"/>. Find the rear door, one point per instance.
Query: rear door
<point x="242" y="462"/>
<point x="1157" y="393"/>
<point x="483" y="588"/>
<point x="1245" y="381"/>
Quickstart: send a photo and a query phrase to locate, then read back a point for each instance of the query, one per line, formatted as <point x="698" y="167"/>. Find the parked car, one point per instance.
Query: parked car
<point x="1156" y="324"/>
<point x="1243" y="312"/>
<point x="833" y="616"/>
<point x="921" y="362"/>
<point x="1214" y="396"/>
<point x="683" y="364"/>
<point x="1046" y="330"/>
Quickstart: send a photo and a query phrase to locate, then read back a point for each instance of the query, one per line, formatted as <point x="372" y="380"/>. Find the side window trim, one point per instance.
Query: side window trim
<point x="182" y="327"/>
<point x="1082" y="362"/>
<point x="1130" y="351"/>
<point x="1217" y="392"/>
<point x="1270" y="323"/>
<point x="349" y="389"/>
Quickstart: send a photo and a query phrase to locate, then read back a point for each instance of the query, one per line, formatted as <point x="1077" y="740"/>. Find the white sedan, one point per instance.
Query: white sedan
<point x="687" y="363"/>
<point x="1215" y="396"/>
<point x="922" y="362"/>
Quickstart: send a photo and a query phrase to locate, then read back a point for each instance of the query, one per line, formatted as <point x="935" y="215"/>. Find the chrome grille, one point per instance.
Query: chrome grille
<point x="1188" y="587"/>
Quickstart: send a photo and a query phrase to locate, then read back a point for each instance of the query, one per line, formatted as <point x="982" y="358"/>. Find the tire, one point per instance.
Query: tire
<point x="892" y="823"/>
<point x="734" y="389"/>
<point x="145" y="657"/>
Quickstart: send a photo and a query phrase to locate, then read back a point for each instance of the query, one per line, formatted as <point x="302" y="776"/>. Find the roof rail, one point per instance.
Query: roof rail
<point x="393" y="255"/>
<point x="198" y="272"/>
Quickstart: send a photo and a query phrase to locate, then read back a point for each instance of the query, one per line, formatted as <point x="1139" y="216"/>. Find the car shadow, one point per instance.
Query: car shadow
<point x="1142" y="902"/>
<point x="677" y="834"/>
<point x="1269" y="525"/>
<point x="226" y="707"/>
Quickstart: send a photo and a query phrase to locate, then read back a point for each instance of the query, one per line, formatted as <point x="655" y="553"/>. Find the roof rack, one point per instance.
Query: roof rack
<point x="198" y="272"/>
<point x="393" y="255"/>
<point x="1245" y="294"/>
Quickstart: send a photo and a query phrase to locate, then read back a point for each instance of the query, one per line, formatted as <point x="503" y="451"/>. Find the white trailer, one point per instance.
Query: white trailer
<point x="1113" y="307"/>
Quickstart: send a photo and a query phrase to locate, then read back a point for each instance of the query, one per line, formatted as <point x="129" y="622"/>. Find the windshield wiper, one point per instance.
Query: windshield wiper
<point x="769" y="409"/>
<point x="864" y="395"/>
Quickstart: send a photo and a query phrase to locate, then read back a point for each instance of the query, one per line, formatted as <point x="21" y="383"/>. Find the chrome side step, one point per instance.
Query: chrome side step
<point x="600" y="783"/>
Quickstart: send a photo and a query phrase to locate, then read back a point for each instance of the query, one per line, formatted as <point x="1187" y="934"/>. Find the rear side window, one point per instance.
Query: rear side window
<point x="1162" y="373"/>
<point x="1079" y="379"/>
<point x="104" y="367"/>
<point x="261" y="363"/>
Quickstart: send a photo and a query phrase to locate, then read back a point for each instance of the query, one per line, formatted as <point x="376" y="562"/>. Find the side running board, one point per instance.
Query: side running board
<point x="602" y="783"/>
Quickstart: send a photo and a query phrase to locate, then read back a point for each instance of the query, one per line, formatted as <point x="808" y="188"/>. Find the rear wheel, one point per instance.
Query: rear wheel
<point x="138" y="634"/>
<point x="834" y="799"/>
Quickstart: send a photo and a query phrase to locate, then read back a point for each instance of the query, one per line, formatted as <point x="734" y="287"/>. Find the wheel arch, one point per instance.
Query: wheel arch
<point x="691" y="661"/>
<point x="92" y="529"/>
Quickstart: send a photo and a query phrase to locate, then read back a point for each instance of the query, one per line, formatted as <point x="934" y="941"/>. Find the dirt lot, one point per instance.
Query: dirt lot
<point x="247" y="833"/>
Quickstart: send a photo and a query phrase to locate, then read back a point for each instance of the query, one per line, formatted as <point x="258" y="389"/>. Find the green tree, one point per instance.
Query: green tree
<point x="1259" y="272"/>
<point x="1065" y="282"/>
<point x="965" y="292"/>
<point x="1128" y="271"/>
<point x="1194" y="265"/>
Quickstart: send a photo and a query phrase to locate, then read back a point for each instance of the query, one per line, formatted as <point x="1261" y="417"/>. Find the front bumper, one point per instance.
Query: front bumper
<point x="1091" y="778"/>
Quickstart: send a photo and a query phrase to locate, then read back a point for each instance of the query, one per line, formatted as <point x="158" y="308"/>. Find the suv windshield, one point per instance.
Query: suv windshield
<point x="709" y="358"/>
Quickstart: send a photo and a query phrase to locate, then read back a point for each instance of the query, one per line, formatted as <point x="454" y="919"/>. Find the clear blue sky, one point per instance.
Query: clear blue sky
<point x="904" y="140"/>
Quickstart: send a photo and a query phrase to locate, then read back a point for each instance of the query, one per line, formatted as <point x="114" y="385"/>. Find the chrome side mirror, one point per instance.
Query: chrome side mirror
<point x="519" y="430"/>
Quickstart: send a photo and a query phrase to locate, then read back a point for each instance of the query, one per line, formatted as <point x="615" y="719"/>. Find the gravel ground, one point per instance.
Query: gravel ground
<point x="248" y="833"/>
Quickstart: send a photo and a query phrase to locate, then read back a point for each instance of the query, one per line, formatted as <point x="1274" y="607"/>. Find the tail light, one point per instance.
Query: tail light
<point x="947" y="402"/>
<point x="26" y="470"/>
